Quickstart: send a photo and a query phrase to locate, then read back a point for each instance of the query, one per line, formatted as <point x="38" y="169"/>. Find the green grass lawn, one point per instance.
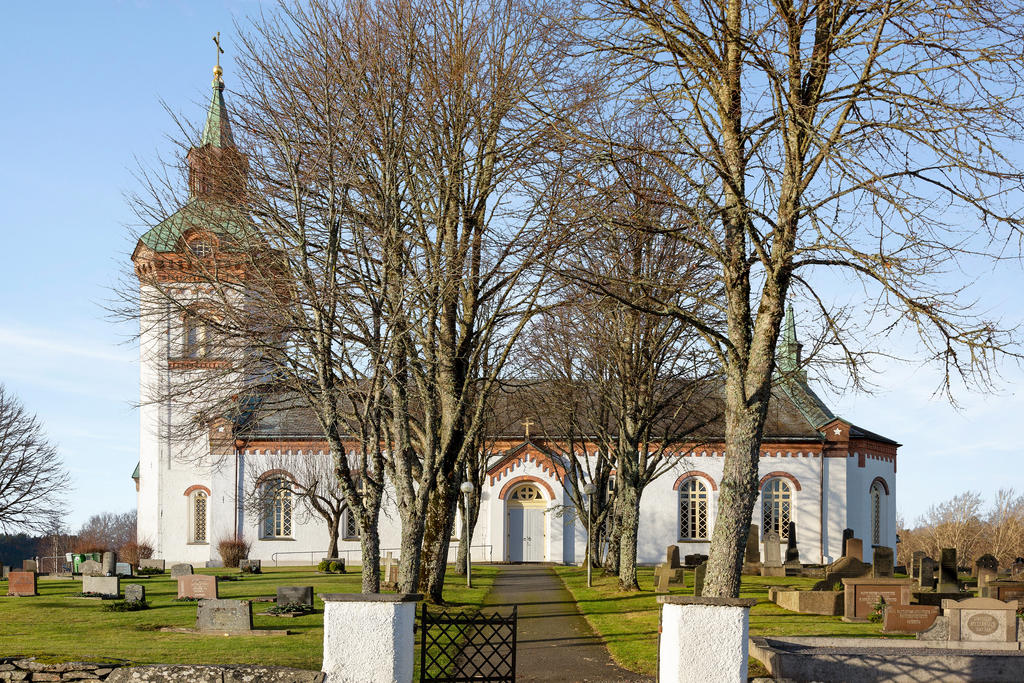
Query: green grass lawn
<point x="59" y="627"/>
<point x="628" y="622"/>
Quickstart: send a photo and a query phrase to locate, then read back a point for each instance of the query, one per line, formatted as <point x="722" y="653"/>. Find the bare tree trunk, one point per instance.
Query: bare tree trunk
<point x="437" y="539"/>
<point x="629" y="510"/>
<point x="369" y="542"/>
<point x="612" y="559"/>
<point x="469" y="520"/>
<point x="332" y="532"/>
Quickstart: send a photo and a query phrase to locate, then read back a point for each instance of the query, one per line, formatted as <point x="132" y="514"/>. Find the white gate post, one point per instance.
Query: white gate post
<point x="703" y="639"/>
<point x="369" y="637"/>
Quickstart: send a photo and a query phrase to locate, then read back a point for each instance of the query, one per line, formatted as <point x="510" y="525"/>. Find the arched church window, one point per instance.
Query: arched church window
<point x="277" y="508"/>
<point x="350" y="528"/>
<point x="201" y="247"/>
<point x="876" y="513"/>
<point x="526" y="492"/>
<point x="199" y="508"/>
<point x="693" y="509"/>
<point x="776" y="506"/>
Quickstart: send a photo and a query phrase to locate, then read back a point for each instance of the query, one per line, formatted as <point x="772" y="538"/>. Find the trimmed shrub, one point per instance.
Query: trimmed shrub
<point x="131" y="552"/>
<point x="233" y="551"/>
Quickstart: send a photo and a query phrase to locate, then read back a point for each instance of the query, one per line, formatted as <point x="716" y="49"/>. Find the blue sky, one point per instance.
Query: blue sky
<point x="85" y="82"/>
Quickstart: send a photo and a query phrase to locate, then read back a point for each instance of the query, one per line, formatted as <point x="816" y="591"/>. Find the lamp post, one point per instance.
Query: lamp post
<point x="467" y="490"/>
<point x="588" y="491"/>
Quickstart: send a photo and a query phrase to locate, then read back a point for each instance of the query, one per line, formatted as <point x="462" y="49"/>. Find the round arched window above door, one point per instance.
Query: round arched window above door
<point x="526" y="492"/>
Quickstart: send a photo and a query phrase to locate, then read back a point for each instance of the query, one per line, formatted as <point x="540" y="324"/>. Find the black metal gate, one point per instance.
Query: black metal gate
<point x="467" y="646"/>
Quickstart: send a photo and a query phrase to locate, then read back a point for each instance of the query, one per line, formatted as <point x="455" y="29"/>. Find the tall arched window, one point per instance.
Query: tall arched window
<point x="776" y="506"/>
<point x="876" y="513"/>
<point x="277" y="508"/>
<point x="693" y="509"/>
<point x="195" y="336"/>
<point x="199" y="516"/>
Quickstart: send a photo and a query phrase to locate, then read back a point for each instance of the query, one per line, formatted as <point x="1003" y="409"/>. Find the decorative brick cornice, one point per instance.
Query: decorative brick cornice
<point x="196" y="487"/>
<point x="197" y="364"/>
<point x="525" y="453"/>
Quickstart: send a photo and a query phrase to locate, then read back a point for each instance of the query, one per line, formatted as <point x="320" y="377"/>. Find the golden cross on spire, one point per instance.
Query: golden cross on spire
<point x="526" y="425"/>
<point x="220" y="50"/>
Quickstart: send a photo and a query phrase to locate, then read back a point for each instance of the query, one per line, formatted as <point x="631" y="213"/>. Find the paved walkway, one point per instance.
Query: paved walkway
<point x="555" y="642"/>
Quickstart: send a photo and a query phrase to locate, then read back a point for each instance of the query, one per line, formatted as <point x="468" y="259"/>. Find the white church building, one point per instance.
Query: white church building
<point x="817" y="470"/>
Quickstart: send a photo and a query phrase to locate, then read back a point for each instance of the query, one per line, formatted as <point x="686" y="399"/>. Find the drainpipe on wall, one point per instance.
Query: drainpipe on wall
<point x="822" y="515"/>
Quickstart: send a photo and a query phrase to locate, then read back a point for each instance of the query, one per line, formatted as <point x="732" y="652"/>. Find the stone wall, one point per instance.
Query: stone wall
<point x="28" y="669"/>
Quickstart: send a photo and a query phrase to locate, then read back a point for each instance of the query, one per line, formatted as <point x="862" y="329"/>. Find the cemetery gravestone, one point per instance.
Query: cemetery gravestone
<point x="289" y="595"/>
<point x="390" y="572"/>
<point x="101" y="585"/>
<point x="772" y="556"/>
<point x="881" y="565"/>
<point x="862" y="595"/>
<point x="109" y="563"/>
<point x="90" y="568"/>
<point x="669" y="573"/>
<point x="986" y="561"/>
<point x="855" y="549"/>
<point x="1017" y="567"/>
<point x="181" y="570"/>
<point x="752" y="553"/>
<point x="251" y="566"/>
<point x="948" y="581"/>
<point x="21" y="583"/>
<point x="691" y="561"/>
<point x="698" y="578"/>
<point x="915" y="564"/>
<point x="909" y="618"/>
<point x="985" y="576"/>
<point x="926" y="578"/>
<point x="29" y="566"/>
<point x="792" y="552"/>
<point x="197" y="586"/>
<point x="123" y="569"/>
<point x="1004" y="590"/>
<point x="847" y="535"/>
<point x="135" y="592"/>
<point x="150" y="563"/>
<point x="224" y="616"/>
<point x="981" y="620"/>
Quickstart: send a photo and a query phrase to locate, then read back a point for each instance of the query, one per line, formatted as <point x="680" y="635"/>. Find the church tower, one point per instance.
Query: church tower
<point x="176" y="261"/>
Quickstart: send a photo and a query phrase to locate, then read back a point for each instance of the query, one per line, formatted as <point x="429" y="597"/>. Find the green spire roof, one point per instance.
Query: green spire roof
<point x="217" y="131"/>
<point x="789" y="349"/>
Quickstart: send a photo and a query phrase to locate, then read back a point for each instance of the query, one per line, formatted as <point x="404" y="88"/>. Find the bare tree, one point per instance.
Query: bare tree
<point x="33" y="481"/>
<point x="955" y="523"/>
<point x="861" y="138"/>
<point x="108" y="530"/>
<point x="1004" y="535"/>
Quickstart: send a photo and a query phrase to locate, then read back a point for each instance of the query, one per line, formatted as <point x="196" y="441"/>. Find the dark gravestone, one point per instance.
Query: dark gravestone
<point x="881" y="565"/>
<point x="91" y="568"/>
<point x="986" y="561"/>
<point x="948" y="580"/>
<point x="909" y="618"/>
<point x="691" y="561"/>
<point x="250" y="566"/>
<point x="224" y="616"/>
<point x="21" y="583"/>
<point x="670" y="573"/>
<point x="135" y="592"/>
<point x="752" y="553"/>
<point x="698" y="578"/>
<point x="915" y="564"/>
<point x="847" y="535"/>
<point x="792" y="552"/>
<point x="181" y="570"/>
<point x="197" y="586"/>
<point x="926" y="577"/>
<point x="292" y="595"/>
<point x="1017" y="567"/>
<point x="150" y="563"/>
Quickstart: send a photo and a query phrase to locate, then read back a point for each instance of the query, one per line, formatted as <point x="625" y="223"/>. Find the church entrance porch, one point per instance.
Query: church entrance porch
<point x="526" y="539"/>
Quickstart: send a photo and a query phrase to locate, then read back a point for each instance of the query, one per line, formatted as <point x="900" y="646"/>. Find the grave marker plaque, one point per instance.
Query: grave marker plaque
<point x="847" y="535"/>
<point x="101" y="585"/>
<point x="670" y="572"/>
<point x="861" y="595"/>
<point x="855" y="549"/>
<point x="21" y="583"/>
<point x="772" y="555"/>
<point x="224" y="616"/>
<point x="981" y="620"/>
<point x="150" y="563"/>
<point x="197" y="586"/>
<point x="926" y="578"/>
<point x="698" y="578"/>
<point x="123" y="569"/>
<point x="909" y="618"/>
<point x="288" y="595"/>
<point x="752" y="552"/>
<point x="915" y="564"/>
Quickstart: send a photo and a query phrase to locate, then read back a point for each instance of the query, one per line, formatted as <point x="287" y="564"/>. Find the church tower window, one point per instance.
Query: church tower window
<point x="195" y="336"/>
<point x="277" y="509"/>
<point x="776" y="506"/>
<point x="876" y="513"/>
<point x="199" y="507"/>
<point x="693" y="510"/>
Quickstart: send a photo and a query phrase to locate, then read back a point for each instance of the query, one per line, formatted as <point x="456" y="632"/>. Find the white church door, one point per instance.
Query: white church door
<point x="526" y="539"/>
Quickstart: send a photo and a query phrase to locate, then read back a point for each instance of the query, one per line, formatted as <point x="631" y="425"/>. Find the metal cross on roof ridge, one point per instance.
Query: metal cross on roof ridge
<point x="526" y="425"/>
<point x="220" y="50"/>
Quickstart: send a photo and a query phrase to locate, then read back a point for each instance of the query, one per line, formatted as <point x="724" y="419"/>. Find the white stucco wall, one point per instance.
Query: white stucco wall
<point x="701" y="643"/>
<point x="368" y="642"/>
